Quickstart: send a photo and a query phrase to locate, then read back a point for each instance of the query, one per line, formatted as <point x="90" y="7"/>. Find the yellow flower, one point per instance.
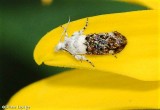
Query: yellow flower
<point x="140" y="58"/>
<point x="88" y="90"/>
<point x="129" y="81"/>
<point x="153" y="4"/>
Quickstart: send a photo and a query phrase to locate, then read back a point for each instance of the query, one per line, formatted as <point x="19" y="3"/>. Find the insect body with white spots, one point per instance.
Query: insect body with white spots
<point x="80" y="44"/>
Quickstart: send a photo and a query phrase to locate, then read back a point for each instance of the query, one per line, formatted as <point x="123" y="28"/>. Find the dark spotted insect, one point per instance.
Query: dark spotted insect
<point x="79" y="44"/>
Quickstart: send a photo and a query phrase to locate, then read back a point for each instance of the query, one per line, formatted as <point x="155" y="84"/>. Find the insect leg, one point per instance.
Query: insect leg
<point x="112" y="53"/>
<point x="81" y="58"/>
<point x="68" y="51"/>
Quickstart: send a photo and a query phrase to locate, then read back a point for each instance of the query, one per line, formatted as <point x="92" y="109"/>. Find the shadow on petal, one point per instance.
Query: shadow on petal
<point x="97" y="79"/>
<point x="89" y="90"/>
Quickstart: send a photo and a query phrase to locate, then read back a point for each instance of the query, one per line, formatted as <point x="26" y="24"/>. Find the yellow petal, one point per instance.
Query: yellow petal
<point x="87" y="90"/>
<point x="153" y="4"/>
<point x="139" y="59"/>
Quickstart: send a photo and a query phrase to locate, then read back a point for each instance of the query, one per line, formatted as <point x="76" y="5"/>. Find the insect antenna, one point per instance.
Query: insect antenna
<point x="82" y="30"/>
<point x="65" y="30"/>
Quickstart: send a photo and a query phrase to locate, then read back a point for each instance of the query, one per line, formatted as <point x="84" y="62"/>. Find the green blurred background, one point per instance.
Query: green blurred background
<point x="24" y="22"/>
